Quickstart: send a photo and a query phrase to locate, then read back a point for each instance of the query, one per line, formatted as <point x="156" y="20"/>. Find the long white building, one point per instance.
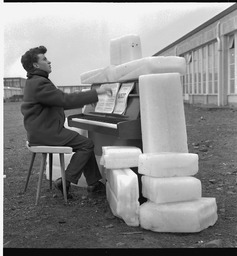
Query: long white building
<point x="210" y="51"/>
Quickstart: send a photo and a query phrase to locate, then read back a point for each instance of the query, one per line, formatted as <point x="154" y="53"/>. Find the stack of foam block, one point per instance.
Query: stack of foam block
<point x="122" y="190"/>
<point x="175" y="202"/>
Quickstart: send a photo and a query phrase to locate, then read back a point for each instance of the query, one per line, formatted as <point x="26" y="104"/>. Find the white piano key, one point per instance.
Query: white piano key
<point x="86" y="121"/>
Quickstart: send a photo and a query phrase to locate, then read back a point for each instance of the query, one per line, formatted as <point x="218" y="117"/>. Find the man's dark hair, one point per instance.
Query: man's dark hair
<point x="31" y="57"/>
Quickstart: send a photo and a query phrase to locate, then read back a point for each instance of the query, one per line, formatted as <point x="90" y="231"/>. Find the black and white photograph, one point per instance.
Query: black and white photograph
<point x="119" y="126"/>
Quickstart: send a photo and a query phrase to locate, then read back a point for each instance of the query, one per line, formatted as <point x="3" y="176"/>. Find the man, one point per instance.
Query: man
<point x="43" y="111"/>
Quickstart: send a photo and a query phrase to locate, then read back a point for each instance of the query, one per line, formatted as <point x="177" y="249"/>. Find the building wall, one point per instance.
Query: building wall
<point x="74" y="88"/>
<point x="16" y="82"/>
<point x="211" y="56"/>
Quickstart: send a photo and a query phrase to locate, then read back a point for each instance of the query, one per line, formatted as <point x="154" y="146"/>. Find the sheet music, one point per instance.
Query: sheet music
<point x="106" y="103"/>
<point x="122" y="97"/>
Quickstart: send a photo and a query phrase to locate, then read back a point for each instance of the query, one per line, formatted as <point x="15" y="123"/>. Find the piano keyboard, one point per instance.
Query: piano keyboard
<point x="94" y="122"/>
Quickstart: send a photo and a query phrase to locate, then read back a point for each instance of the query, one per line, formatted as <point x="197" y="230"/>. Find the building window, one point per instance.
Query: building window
<point x="204" y="73"/>
<point x="186" y="75"/>
<point x="189" y="73"/>
<point x="210" y="68"/>
<point x="195" y="66"/>
<point x="199" y="78"/>
<point x="16" y="83"/>
<point x="215" y="66"/>
<point x="231" y="57"/>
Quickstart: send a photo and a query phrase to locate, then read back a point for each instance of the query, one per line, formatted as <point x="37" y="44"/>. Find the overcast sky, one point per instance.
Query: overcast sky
<point x="77" y="35"/>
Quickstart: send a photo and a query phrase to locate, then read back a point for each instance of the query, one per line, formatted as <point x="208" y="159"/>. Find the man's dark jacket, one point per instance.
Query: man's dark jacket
<point x="43" y="109"/>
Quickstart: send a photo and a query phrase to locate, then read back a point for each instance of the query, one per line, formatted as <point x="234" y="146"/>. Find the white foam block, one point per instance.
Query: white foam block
<point x="174" y="189"/>
<point x="162" y="113"/>
<point x="168" y="164"/>
<point x="99" y="76"/>
<point x="150" y="65"/>
<point x="115" y="54"/>
<point x="135" y="68"/>
<point x="120" y="156"/>
<point x="130" y="46"/>
<point x="122" y="195"/>
<point x="106" y="148"/>
<point x="184" y="217"/>
<point x="88" y="74"/>
<point x="125" y="49"/>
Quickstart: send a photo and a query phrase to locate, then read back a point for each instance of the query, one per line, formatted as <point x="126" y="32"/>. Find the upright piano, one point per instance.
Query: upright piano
<point x="112" y="129"/>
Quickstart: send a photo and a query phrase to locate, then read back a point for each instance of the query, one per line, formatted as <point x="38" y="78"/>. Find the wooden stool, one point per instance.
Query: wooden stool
<point x="48" y="150"/>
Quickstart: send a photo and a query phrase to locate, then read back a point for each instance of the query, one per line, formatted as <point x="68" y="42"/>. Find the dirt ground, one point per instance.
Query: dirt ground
<point x="87" y="222"/>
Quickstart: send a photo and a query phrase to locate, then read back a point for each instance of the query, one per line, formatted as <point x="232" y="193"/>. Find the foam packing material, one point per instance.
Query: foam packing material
<point x="162" y="113"/>
<point x="122" y="194"/>
<point x="135" y="68"/>
<point x="124" y="49"/>
<point x="168" y="164"/>
<point x="150" y="65"/>
<point x="106" y="148"/>
<point x="184" y="217"/>
<point x="115" y="51"/>
<point x="130" y="48"/>
<point x="99" y="76"/>
<point x="165" y="190"/>
<point x="120" y="156"/>
<point x="84" y="76"/>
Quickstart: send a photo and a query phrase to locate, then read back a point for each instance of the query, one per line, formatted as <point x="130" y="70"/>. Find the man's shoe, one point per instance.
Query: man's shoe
<point x="59" y="186"/>
<point x="97" y="187"/>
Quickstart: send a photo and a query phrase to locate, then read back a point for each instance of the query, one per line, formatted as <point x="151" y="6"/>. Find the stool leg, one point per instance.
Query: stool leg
<point x="62" y="165"/>
<point x="29" y="171"/>
<point x="43" y="162"/>
<point x="50" y="169"/>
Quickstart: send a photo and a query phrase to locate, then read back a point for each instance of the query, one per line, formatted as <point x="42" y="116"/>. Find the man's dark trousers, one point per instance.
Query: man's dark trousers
<point x="82" y="161"/>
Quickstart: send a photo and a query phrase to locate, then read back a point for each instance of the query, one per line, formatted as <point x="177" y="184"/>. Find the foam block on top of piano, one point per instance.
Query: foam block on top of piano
<point x="184" y="217"/>
<point x="102" y="76"/>
<point x="168" y="164"/>
<point x="125" y="49"/>
<point x="150" y="65"/>
<point x="88" y="74"/>
<point x="162" y="113"/>
<point x="135" y="68"/>
<point x="122" y="195"/>
<point x="120" y="157"/>
<point x="173" y="189"/>
<point x="130" y="48"/>
<point x="115" y="51"/>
